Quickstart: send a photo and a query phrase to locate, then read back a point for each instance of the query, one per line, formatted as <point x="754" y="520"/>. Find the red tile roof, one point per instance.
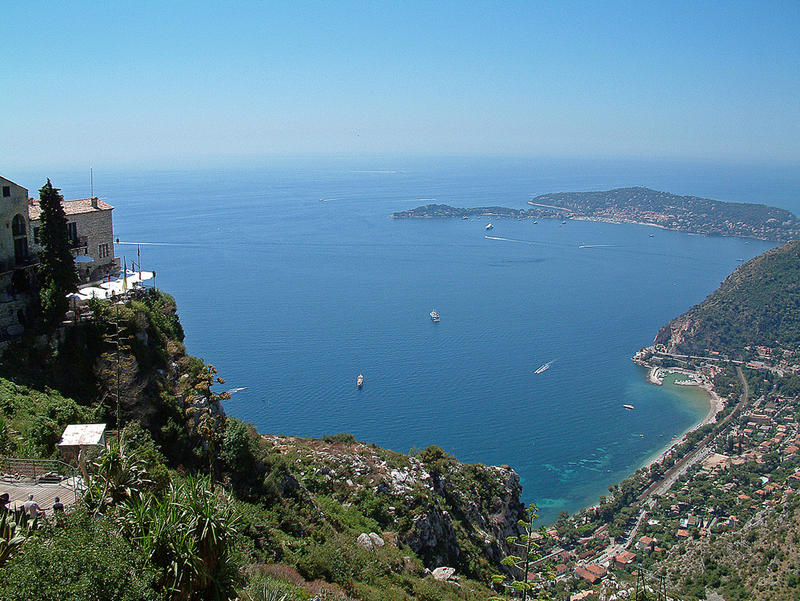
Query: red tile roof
<point x="587" y="575"/>
<point x="71" y="207"/>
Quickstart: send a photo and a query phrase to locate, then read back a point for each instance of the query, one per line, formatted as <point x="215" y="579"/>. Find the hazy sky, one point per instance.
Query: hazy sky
<point x="170" y="82"/>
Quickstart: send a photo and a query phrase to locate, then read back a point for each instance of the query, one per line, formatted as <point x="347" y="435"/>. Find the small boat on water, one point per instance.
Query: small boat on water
<point x="543" y="368"/>
<point x="464" y="217"/>
<point x="360" y="380"/>
<point x="489" y="226"/>
<point x="435" y="316"/>
<point x="629" y="407"/>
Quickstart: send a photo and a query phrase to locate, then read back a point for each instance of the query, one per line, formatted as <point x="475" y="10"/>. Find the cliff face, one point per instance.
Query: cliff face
<point x="449" y="513"/>
<point x="676" y="333"/>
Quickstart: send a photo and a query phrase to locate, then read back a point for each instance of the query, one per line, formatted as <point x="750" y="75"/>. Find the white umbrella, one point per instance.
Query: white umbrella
<point x="92" y="292"/>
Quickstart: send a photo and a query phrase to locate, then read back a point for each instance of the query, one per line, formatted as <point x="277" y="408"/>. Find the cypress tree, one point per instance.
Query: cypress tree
<point x="56" y="265"/>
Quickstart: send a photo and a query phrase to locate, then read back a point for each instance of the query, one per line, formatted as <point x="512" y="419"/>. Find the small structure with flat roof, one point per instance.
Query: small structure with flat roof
<point x="77" y="437"/>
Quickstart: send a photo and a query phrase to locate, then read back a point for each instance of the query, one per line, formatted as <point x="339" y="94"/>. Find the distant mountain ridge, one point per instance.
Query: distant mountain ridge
<point x="757" y="305"/>
<point x="690" y="214"/>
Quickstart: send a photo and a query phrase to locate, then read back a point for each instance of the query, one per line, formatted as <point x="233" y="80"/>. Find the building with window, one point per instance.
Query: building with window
<point x="17" y="263"/>
<point x="89" y="229"/>
<point x="13" y="226"/>
<point x="91" y="234"/>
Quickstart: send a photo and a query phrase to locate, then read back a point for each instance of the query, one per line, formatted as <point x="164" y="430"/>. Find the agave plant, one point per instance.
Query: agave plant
<point x="117" y="475"/>
<point x="15" y="528"/>
<point x="188" y="533"/>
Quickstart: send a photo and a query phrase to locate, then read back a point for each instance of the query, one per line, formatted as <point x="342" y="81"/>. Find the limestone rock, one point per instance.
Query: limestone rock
<point x="377" y="541"/>
<point x="370" y="541"/>
<point x="443" y="573"/>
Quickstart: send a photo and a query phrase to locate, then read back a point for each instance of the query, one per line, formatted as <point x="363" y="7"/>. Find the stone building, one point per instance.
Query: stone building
<point x="14" y="229"/>
<point x="17" y="262"/>
<point x="91" y="235"/>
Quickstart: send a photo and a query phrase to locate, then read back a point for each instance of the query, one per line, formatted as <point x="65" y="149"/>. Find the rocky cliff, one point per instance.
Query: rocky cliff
<point x="449" y="513"/>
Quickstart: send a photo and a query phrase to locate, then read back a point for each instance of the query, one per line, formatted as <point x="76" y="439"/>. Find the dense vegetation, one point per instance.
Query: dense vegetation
<point x="758" y="304"/>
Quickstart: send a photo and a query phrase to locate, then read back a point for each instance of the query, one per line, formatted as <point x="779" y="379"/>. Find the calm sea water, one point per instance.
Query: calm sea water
<point x="291" y="278"/>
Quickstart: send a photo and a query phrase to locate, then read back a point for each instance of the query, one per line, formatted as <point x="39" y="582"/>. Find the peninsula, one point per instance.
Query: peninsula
<point x="689" y="214"/>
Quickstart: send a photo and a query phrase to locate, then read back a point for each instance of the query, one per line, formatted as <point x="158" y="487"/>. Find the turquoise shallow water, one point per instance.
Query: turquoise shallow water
<point x="292" y="297"/>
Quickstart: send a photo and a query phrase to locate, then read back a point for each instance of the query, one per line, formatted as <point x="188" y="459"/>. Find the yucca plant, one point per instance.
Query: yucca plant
<point x="188" y="534"/>
<point x="15" y="528"/>
<point x="118" y="474"/>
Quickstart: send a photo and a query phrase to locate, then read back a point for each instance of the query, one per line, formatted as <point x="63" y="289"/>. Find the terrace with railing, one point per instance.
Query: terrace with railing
<point x="45" y="479"/>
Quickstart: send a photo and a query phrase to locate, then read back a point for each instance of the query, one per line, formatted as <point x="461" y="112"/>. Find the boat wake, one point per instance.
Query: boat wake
<point x="235" y="390"/>
<point x="597" y="246"/>
<point x="509" y="240"/>
<point x="388" y="171"/>
<point x="545" y="367"/>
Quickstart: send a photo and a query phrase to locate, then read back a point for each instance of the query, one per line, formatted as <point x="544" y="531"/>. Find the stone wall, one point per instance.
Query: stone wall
<point x="97" y="228"/>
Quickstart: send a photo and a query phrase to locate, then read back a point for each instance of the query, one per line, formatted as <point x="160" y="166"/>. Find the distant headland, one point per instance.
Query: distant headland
<point x="643" y="206"/>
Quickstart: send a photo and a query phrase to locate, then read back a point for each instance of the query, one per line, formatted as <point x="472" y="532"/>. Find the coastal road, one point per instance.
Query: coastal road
<point x="718" y="359"/>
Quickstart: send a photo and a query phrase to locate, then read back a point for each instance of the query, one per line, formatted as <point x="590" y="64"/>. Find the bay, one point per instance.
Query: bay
<point x="292" y="279"/>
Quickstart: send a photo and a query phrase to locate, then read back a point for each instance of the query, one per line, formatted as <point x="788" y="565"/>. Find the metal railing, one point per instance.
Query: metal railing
<point x="39" y="471"/>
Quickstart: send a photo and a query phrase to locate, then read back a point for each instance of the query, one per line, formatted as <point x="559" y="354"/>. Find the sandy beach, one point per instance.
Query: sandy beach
<point x="716" y="404"/>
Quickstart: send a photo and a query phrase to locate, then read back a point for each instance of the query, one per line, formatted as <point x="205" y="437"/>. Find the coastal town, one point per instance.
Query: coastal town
<point x="740" y="464"/>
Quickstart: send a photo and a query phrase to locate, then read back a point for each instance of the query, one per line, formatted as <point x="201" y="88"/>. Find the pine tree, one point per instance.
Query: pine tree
<point x="56" y="265"/>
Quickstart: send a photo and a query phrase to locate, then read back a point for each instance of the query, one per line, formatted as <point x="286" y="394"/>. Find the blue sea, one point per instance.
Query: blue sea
<point x="292" y="279"/>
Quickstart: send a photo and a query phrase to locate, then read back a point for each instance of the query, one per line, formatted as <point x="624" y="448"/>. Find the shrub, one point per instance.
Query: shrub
<point x="341" y="437"/>
<point x="86" y="559"/>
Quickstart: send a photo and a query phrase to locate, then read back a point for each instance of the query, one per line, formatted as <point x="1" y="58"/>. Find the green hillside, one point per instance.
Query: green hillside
<point x="758" y="304"/>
